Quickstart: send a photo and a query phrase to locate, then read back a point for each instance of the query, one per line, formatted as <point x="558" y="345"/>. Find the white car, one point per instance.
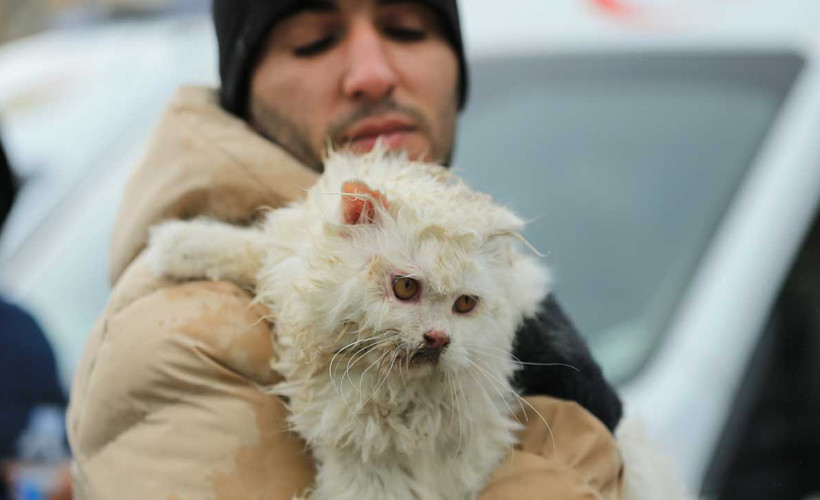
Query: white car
<point x="671" y="172"/>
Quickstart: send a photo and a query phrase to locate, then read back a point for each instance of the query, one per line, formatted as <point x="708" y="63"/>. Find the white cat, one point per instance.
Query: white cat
<point x="396" y="292"/>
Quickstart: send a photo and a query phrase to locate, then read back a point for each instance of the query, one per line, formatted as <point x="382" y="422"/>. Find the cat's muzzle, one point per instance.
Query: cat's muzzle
<point x="435" y="341"/>
<point x="426" y="355"/>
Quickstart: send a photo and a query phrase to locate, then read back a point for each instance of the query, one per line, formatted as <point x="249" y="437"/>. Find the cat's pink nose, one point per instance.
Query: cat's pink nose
<point x="436" y="339"/>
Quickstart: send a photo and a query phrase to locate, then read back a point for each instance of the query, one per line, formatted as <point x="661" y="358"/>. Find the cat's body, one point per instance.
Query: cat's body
<point x="386" y="414"/>
<point x="396" y="292"/>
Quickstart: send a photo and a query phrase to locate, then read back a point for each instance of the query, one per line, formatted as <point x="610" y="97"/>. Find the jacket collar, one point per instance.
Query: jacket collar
<point x="202" y="160"/>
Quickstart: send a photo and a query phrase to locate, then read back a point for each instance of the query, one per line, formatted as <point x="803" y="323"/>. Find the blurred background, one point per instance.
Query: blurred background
<point x="666" y="152"/>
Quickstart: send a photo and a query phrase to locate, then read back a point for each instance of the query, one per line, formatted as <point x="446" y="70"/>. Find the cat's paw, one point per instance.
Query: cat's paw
<point x="172" y="251"/>
<point x="205" y="249"/>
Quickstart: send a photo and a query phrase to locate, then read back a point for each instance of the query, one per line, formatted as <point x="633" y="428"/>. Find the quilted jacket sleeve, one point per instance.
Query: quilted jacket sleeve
<point x="575" y="457"/>
<point x="169" y="402"/>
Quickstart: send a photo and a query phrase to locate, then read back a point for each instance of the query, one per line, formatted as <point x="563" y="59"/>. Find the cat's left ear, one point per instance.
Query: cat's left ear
<point x="361" y="203"/>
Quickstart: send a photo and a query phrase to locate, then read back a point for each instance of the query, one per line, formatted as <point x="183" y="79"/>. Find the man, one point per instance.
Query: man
<point x="168" y="401"/>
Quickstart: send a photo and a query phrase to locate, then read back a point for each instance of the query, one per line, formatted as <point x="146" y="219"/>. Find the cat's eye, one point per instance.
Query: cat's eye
<point x="465" y="304"/>
<point x="405" y="288"/>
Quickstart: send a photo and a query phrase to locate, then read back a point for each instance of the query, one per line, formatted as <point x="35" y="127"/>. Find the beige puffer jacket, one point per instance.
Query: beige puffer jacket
<point x="166" y="403"/>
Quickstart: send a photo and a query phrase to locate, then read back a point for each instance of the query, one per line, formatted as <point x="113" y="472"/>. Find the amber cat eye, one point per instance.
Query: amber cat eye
<point x="405" y="288"/>
<point x="465" y="304"/>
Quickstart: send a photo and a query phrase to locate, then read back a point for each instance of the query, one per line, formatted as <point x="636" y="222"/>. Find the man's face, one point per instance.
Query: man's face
<point x="345" y="72"/>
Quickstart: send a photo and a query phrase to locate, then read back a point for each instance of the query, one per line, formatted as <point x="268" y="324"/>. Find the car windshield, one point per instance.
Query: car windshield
<point x="624" y="165"/>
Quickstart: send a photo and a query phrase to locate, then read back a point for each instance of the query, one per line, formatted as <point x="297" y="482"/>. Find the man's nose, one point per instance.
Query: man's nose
<point x="370" y="73"/>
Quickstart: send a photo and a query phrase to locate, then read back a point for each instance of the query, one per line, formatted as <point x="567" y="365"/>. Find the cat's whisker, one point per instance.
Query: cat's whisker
<point x="401" y="374"/>
<point x="465" y="415"/>
<point x="341" y="391"/>
<point x="549" y="428"/>
<point x="485" y="350"/>
<point x="344" y="348"/>
<point x="508" y="388"/>
<point x="381" y="375"/>
<point x="516" y="360"/>
<point x="487" y="395"/>
<point x="361" y="378"/>
<point x="354" y="413"/>
<point x="449" y="381"/>
<point x="354" y="359"/>
<point x="544" y="420"/>
<point x="497" y="390"/>
<point x="360" y="341"/>
<point x="497" y="410"/>
<point x="520" y="237"/>
<point x="396" y="354"/>
<point x="386" y="376"/>
<point x="350" y="363"/>
<point x="456" y="387"/>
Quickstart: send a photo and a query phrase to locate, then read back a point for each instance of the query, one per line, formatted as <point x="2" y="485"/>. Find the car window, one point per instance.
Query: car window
<point x="624" y="165"/>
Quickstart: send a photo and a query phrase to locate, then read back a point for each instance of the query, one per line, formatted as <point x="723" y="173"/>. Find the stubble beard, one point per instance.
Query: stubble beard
<point x="293" y="136"/>
<point x="281" y="130"/>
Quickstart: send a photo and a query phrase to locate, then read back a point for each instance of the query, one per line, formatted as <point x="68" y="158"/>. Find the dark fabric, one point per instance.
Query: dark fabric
<point x="28" y="377"/>
<point x="241" y="28"/>
<point x="7" y="186"/>
<point x="550" y="337"/>
<point x="28" y="374"/>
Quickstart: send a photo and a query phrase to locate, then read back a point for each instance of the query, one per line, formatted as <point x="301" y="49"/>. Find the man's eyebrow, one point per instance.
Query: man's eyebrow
<point x="310" y="6"/>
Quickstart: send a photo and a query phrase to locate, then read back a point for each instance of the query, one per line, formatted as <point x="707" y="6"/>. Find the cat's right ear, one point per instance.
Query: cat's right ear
<point x="361" y="203"/>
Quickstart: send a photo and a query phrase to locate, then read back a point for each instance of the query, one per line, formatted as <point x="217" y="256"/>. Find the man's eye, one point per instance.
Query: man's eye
<point x="313" y="48"/>
<point x="406" y="34"/>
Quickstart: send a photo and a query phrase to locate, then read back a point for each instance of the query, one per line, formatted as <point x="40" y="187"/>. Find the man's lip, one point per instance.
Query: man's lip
<point x="374" y="127"/>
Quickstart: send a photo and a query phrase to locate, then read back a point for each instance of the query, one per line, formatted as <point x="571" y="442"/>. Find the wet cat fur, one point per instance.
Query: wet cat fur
<point x="383" y="419"/>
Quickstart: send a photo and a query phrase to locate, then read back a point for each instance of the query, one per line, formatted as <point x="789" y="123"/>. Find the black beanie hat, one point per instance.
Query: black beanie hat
<point x="243" y="25"/>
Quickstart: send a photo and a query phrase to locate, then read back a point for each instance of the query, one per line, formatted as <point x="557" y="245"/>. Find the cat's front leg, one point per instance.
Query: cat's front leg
<point x="206" y="249"/>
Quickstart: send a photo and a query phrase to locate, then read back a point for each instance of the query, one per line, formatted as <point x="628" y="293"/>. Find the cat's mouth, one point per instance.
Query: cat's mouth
<point x="424" y="356"/>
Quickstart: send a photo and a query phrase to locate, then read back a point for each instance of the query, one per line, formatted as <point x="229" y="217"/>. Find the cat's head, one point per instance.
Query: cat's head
<point x="413" y="268"/>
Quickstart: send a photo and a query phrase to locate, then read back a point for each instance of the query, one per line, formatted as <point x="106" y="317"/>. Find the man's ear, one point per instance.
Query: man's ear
<point x="360" y="203"/>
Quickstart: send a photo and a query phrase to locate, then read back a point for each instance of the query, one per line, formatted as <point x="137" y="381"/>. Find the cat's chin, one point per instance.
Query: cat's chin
<point x="422" y="371"/>
<point x="424" y="357"/>
<point x="420" y="364"/>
